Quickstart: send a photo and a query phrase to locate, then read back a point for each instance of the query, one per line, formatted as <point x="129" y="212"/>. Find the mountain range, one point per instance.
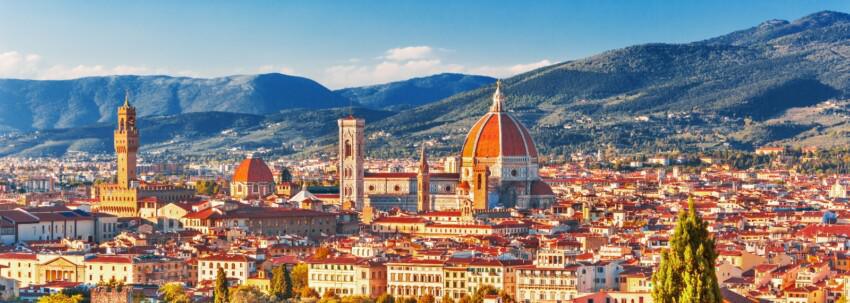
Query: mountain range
<point x="37" y="105"/>
<point x="414" y="92"/>
<point x="777" y="83"/>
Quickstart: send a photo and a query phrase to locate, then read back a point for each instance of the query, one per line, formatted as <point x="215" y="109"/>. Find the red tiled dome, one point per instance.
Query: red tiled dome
<point x="253" y="170"/>
<point x="498" y="134"/>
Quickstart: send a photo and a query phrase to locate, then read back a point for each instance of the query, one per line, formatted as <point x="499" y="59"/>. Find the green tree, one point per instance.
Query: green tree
<point x="174" y="293"/>
<point x="82" y="291"/>
<point x="207" y="187"/>
<point x="299" y="276"/>
<point x="356" y="299"/>
<point x="330" y="294"/>
<point x="287" y="283"/>
<point x="385" y="298"/>
<point x="61" y="298"/>
<point x="281" y="283"/>
<point x="483" y="291"/>
<point x="276" y="284"/>
<point x="447" y="299"/>
<point x="505" y="297"/>
<point x="221" y="292"/>
<point x="248" y="294"/>
<point x="686" y="273"/>
<point x="307" y="292"/>
<point x="427" y="298"/>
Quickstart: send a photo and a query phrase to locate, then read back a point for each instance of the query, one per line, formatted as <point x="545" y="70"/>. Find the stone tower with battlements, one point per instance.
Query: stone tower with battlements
<point x="126" y="144"/>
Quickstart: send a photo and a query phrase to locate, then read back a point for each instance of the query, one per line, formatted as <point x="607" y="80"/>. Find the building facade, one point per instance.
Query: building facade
<point x="497" y="167"/>
<point x="348" y="276"/>
<point x="235" y="267"/>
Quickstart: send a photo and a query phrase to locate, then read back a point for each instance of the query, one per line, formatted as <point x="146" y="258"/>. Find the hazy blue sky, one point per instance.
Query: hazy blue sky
<point x="344" y="43"/>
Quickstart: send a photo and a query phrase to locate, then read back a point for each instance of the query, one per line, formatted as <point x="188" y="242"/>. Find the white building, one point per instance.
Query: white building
<point x="235" y="267"/>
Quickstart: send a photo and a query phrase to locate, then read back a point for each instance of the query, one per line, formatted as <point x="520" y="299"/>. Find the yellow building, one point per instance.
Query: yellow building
<point x="260" y="281"/>
<point x="29" y="269"/>
<point x="348" y="276"/>
<point x="415" y="278"/>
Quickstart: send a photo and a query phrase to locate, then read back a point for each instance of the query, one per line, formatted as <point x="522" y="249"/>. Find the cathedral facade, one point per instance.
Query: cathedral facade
<point x="497" y="167"/>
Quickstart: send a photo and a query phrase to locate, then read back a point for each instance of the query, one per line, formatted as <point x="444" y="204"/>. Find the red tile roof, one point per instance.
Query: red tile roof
<point x="226" y="258"/>
<point x="253" y="170"/>
<point x="110" y="259"/>
<point x="18" y="256"/>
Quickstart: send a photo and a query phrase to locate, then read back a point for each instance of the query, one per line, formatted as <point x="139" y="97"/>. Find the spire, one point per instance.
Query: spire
<point x="423" y="160"/>
<point x="498" y="97"/>
<point x="126" y="98"/>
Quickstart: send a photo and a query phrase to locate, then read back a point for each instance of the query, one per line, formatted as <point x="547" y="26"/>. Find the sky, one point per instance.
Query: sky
<point x="352" y="43"/>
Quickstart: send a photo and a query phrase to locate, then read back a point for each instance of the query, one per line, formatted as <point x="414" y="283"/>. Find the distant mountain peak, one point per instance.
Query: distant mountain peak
<point x="414" y="91"/>
<point x="773" y="23"/>
<point x="824" y="18"/>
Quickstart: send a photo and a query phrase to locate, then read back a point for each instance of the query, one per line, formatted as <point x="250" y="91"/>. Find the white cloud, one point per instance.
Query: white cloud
<point x="71" y="72"/>
<point x="14" y="64"/>
<point x="392" y="65"/>
<point x="510" y="70"/>
<point x="409" y="53"/>
<point x="408" y="62"/>
<point x="271" y="68"/>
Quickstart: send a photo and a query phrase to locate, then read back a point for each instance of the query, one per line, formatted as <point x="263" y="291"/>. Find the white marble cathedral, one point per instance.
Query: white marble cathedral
<point x="498" y="167"/>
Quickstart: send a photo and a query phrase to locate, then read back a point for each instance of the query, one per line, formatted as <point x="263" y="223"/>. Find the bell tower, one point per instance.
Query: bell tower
<point x="126" y="141"/>
<point x="480" y="186"/>
<point x="423" y="190"/>
<point x="351" y="140"/>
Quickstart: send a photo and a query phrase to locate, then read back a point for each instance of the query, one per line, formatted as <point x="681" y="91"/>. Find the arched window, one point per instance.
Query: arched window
<point x="478" y="183"/>
<point x="347" y="148"/>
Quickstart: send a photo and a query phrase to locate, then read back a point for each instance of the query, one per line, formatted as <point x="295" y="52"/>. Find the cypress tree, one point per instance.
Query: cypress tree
<point x="221" y="292"/>
<point x="687" y="272"/>
<point x="287" y="283"/>
<point x="276" y="287"/>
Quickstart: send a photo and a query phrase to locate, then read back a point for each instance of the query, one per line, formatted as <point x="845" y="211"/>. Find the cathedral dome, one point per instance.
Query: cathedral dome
<point x="498" y="134"/>
<point x="253" y="170"/>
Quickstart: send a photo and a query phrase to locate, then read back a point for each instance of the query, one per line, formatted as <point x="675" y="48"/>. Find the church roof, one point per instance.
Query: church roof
<point x="497" y="134"/>
<point x="253" y="170"/>
<point x="540" y="188"/>
<point x="304" y="195"/>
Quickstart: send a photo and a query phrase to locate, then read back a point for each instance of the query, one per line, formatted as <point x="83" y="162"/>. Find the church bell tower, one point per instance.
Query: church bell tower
<point x="423" y="182"/>
<point x="351" y="140"/>
<point x="126" y="138"/>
